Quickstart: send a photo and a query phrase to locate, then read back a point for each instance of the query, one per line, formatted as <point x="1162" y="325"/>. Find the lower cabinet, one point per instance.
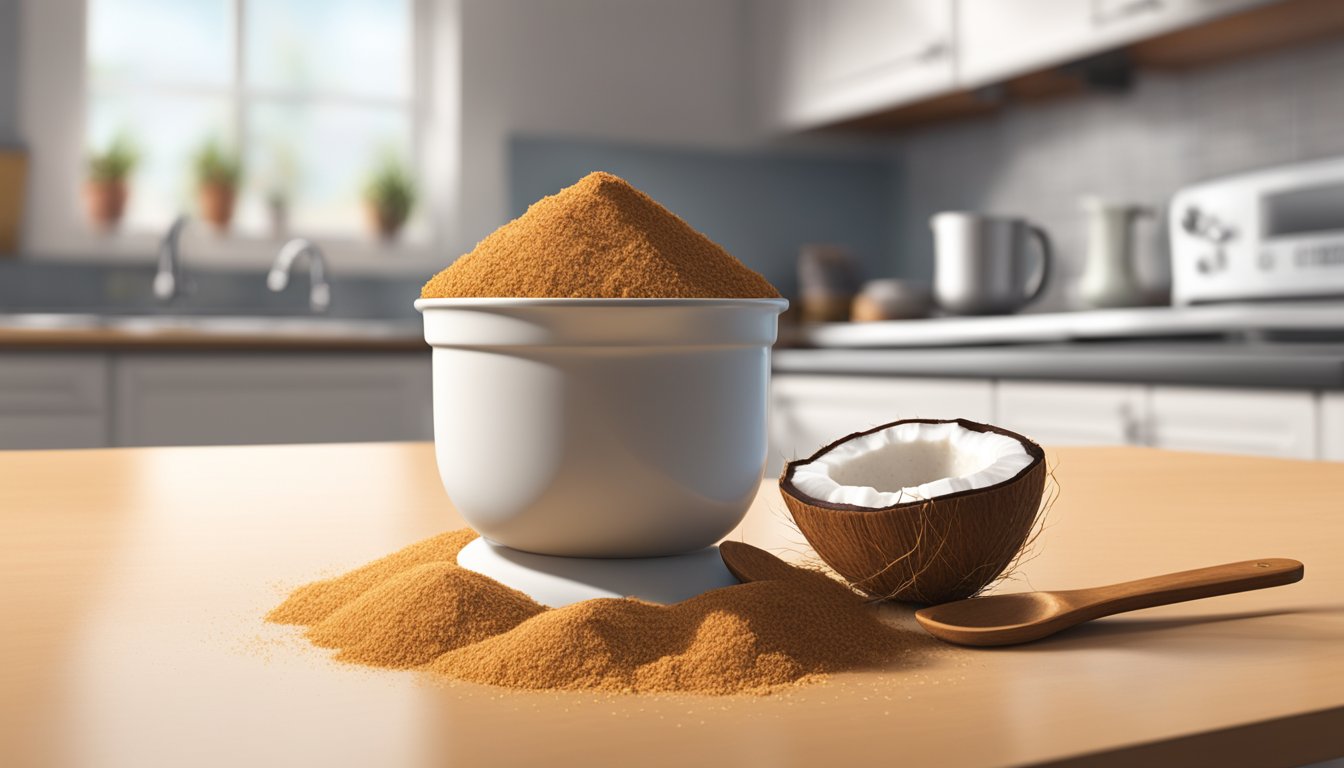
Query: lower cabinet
<point x="811" y="411"/>
<point x="220" y="399"/>
<point x="53" y="400"/>
<point x="1332" y="426"/>
<point x="1263" y="423"/>
<point x="1073" y="414"/>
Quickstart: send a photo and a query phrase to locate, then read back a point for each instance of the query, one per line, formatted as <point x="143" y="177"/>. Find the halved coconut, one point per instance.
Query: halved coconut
<point x="920" y="510"/>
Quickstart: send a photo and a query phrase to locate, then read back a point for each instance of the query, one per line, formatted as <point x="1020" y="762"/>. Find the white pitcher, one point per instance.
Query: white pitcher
<point x="1109" y="279"/>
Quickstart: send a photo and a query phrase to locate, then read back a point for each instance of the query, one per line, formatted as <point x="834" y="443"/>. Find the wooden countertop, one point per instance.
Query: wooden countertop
<point x="133" y="582"/>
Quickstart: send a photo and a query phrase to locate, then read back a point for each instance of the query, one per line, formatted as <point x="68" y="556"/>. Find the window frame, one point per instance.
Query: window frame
<point x="53" y="113"/>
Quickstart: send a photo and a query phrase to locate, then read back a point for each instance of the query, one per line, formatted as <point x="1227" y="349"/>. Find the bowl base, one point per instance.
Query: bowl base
<point x="559" y="581"/>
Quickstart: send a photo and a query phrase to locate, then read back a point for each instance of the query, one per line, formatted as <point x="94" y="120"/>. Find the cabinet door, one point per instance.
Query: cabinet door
<point x="211" y="399"/>
<point x="1003" y="38"/>
<point x="811" y="411"/>
<point x="840" y="59"/>
<point x="1073" y="414"/>
<point x="1258" y="422"/>
<point x="1332" y="426"/>
<point x="53" y="400"/>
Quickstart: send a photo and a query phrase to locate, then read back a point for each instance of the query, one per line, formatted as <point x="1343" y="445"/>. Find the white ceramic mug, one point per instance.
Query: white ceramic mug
<point x="601" y="427"/>
<point x="982" y="264"/>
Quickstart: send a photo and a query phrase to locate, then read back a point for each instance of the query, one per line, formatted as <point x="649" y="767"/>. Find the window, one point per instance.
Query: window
<point x="310" y="94"/>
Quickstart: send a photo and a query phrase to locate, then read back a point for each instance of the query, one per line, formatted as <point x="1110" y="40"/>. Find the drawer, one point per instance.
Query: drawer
<point x="238" y="399"/>
<point x="53" y="400"/>
<point x="1073" y="414"/>
<point x="1246" y="421"/>
<point x="35" y="382"/>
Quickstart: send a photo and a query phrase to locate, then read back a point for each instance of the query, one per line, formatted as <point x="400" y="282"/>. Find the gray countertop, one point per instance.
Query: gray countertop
<point x="1220" y="321"/>
<point x="1274" y="365"/>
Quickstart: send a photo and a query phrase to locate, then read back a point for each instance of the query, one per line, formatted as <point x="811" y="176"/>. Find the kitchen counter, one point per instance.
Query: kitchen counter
<point x="1297" y="365"/>
<point x="76" y="331"/>
<point x="1221" y="321"/>
<point x="133" y="583"/>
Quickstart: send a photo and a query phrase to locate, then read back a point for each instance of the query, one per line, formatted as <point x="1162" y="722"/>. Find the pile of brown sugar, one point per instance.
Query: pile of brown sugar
<point x="600" y="238"/>
<point x="417" y="609"/>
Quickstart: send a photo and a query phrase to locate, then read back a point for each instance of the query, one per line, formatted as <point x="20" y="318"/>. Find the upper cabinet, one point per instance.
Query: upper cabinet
<point x="998" y="39"/>
<point x="825" y="62"/>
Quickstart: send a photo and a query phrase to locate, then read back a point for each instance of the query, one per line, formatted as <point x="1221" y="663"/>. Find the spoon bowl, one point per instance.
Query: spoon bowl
<point x="1026" y="616"/>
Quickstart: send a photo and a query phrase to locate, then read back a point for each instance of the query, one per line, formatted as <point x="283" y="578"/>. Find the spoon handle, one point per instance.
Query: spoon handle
<point x="1190" y="585"/>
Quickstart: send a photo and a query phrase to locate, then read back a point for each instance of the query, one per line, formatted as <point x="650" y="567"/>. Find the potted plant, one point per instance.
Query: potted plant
<point x="389" y="196"/>
<point x="218" y="171"/>
<point x="105" y="189"/>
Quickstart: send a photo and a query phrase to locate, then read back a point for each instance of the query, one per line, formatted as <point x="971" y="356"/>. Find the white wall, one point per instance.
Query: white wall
<point x="647" y="71"/>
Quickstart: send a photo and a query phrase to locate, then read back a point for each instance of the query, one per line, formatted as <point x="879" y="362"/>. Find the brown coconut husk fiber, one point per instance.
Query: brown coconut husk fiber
<point x="934" y="551"/>
<point x="417" y="609"/>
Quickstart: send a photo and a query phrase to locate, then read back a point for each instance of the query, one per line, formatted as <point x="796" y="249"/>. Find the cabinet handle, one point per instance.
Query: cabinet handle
<point x="1131" y="426"/>
<point x="933" y="51"/>
<point x="1102" y="15"/>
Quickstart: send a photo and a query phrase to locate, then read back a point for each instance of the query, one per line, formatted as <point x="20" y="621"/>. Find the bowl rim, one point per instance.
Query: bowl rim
<point x="425" y="304"/>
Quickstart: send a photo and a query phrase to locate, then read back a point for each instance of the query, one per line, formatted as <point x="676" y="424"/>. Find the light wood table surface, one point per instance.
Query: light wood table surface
<point x="133" y="584"/>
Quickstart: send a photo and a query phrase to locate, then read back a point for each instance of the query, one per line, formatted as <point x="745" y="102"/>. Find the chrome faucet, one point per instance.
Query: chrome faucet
<point x="319" y="292"/>
<point x="168" y="281"/>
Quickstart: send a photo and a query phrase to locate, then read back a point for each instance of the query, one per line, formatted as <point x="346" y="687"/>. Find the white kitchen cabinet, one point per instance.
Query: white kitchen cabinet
<point x="810" y="411"/>
<point x="1258" y="422"/>
<point x="52" y="400"/>
<point x="1066" y="413"/>
<point x="1332" y="426"/>
<point x="998" y="39"/>
<point x="824" y="62"/>
<point x="229" y="399"/>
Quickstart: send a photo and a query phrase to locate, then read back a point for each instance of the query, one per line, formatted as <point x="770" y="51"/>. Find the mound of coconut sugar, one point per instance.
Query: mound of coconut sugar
<point x="600" y="238"/>
<point x="417" y="609"/>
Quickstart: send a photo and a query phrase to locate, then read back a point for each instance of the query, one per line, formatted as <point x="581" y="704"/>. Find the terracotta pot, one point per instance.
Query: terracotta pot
<point x="216" y="201"/>
<point x="105" y="202"/>
<point x="384" y="223"/>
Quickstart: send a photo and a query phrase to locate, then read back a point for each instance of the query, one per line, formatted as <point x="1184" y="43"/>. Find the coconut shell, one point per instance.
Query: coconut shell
<point x="933" y="551"/>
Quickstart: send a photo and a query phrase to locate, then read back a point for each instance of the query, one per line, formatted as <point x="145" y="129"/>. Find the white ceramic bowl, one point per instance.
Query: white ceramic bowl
<point x="601" y="427"/>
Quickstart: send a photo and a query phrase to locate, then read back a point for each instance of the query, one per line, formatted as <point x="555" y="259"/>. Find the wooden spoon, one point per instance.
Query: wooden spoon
<point x="1027" y="616"/>
<point x="750" y="563"/>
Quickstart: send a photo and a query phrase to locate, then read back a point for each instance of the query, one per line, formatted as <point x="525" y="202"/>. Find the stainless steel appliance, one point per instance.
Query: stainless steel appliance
<point x="983" y="265"/>
<point x="1267" y="235"/>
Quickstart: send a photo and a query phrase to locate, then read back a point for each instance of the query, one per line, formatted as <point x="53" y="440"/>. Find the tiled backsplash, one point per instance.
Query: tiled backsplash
<point x="760" y="204"/>
<point x="1171" y="130"/>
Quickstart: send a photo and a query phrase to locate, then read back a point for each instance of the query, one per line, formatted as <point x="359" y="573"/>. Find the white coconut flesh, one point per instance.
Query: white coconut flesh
<point x="913" y="461"/>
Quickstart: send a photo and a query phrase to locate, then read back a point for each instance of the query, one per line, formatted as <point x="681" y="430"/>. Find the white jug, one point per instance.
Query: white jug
<point x="1109" y="279"/>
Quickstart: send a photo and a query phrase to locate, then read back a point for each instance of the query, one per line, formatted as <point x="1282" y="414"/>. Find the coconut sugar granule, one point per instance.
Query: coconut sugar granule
<point x="418" y="609"/>
<point x="600" y="238"/>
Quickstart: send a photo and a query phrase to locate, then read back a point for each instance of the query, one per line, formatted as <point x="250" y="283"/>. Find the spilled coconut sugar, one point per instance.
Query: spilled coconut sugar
<point x="418" y="608"/>
<point x="600" y="238"/>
